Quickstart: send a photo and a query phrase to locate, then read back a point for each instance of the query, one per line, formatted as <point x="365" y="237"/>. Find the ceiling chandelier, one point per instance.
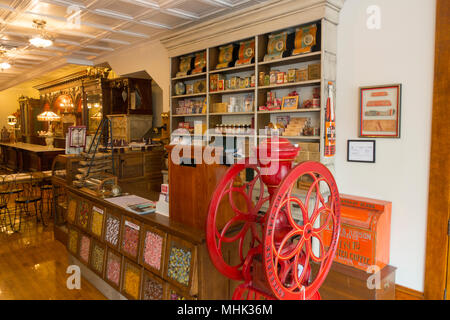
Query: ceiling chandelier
<point x="4" y="64"/>
<point x="41" y="40"/>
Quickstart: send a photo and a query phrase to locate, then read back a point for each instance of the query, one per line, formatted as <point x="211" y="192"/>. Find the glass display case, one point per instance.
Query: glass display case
<point x="93" y="91"/>
<point x="64" y="169"/>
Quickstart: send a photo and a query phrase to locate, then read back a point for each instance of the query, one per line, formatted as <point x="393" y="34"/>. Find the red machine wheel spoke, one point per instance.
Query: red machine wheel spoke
<point x="321" y="248"/>
<point x="314" y="186"/>
<point x="292" y="285"/>
<point x="325" y="224"/>
<point x="255" y="233"/>
<point x="233" y="205"/>
<point x="289" y="217"/>
<point x="233" y="201"/>
<point x="294" y="251"/>
<point x="239" y="235"/>
<point x="300" y="280"/>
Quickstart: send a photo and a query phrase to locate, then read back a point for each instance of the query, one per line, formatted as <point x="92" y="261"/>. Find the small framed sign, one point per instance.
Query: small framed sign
<point x="361" y="151"/>
<point x="290" y="103"/>
<point x="77" y="136"/>
<point x="380" y="111"/>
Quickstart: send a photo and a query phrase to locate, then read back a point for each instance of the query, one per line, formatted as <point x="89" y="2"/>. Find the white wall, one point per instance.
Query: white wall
<point x="402" y="51"/>
<point x="9" y="101"/>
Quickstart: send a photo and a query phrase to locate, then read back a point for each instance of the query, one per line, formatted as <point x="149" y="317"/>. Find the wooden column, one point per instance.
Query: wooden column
<point x="439" y="183"/>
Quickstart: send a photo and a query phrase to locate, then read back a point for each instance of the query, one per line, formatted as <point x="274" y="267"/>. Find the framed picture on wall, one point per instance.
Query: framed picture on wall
<point x="361" y="151"/>
<point x="77" y="136"/>
<point x="380" y="111"/>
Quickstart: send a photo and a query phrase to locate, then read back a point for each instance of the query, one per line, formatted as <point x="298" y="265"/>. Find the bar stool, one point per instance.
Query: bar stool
<point x="47" y="196"/>
<point x="9" y="189"/>
<point x="31" y="195"/>
<point x="4" y="197"/>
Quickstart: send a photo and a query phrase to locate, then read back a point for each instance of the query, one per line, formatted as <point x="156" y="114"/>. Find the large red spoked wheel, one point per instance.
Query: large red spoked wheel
<point x="233" y="216"/>
<point x="296" y="259"/>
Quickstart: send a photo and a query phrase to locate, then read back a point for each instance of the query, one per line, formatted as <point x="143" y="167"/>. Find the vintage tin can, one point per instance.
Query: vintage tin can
<point x="280" y="77"/>
<point x="234" y="83"/>
<point x="301" y="75"/>
<point x="273" y="77"/>
<point x="221" y="85"/>
<point x="314" y="71"/>
<point x="247" y="82"/>
<point x="262" y="76"/>
<point x="291" y="75"/>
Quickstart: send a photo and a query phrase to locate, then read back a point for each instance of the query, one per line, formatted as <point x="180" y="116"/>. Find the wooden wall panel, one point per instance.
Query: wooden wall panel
<point x="439" y="183"/>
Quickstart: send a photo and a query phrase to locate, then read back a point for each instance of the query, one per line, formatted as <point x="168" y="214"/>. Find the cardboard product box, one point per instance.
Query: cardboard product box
<point x="302" y="156"/>
<point x="301" y="75"/>
<point x="313" y="147"/>
<point x="314" y="71"/>
<point x="220" y="107"/>
<point x="214" y="81"/>
<point x="199" y="128"/>
<point x="314" y="156"/>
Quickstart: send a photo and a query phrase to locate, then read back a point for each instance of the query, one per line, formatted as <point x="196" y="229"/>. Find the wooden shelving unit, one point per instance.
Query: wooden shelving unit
<point x="324" y="53"/>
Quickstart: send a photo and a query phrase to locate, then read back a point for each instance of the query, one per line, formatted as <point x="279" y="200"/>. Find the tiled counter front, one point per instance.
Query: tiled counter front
<point x="144" y="257"/>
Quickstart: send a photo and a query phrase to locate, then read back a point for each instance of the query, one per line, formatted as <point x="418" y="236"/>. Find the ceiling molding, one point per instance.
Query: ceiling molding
<point x="102" y="28"/>
<point x="248" y="22"/>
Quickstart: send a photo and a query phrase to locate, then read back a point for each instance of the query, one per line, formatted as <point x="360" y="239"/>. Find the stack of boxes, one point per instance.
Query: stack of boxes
<point x="295" y="127"/>
<point x="308" y="152"/>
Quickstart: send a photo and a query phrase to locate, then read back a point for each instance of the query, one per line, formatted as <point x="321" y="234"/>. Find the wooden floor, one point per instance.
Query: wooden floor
<point x="33" y="266"/>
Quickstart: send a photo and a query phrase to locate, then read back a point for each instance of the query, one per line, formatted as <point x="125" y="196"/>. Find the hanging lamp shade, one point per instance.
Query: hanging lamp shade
<point x="48" y="116"/>
<point x="12" y="120"/>
<point x="41" y="40"/>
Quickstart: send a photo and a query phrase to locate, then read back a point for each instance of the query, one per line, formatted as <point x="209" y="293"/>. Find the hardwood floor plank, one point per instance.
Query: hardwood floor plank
<point x="33" y="267"/>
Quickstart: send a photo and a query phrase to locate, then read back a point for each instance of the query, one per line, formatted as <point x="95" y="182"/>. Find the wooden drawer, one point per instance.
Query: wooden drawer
<point x="131" y="166"/>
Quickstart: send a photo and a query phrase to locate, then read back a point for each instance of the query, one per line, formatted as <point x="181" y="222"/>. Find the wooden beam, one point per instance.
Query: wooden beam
<point x="439" y="181"/>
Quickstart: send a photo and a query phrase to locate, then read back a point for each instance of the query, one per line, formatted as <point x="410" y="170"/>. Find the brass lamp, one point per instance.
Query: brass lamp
<point x="12" y="121"/>
<point x="48" y="116"/>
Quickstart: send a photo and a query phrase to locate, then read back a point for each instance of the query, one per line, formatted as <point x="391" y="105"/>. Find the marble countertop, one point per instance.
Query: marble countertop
<point x="30" y="147"/>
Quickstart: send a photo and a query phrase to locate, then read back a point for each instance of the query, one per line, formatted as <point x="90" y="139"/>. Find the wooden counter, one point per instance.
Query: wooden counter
<point x="185" y="270"/>
<point x="28" y="157"/>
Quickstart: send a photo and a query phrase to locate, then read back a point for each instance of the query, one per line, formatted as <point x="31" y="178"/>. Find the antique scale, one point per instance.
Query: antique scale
<point x="279" y="253"/>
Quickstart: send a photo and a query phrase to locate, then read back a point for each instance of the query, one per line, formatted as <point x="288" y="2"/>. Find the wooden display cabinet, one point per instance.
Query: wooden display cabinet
<point x="29" y="109"/>
<point x="322" y="54"/>
<point x="179" y="236"/>
<point x="128" y="128"/>
<point x="129" y="96"/>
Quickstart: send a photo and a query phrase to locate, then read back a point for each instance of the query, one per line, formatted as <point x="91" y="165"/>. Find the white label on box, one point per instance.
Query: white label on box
<point x="94" y="208"/>
<point x="132" y="225"/>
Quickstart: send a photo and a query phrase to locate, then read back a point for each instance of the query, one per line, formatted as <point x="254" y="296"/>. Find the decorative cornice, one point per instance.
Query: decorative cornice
<point x="264" y="18"/>
<point x="89" y="73"/>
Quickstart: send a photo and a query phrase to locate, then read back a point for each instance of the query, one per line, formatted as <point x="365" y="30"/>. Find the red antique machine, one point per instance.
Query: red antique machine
<point x="279" y="253"/>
